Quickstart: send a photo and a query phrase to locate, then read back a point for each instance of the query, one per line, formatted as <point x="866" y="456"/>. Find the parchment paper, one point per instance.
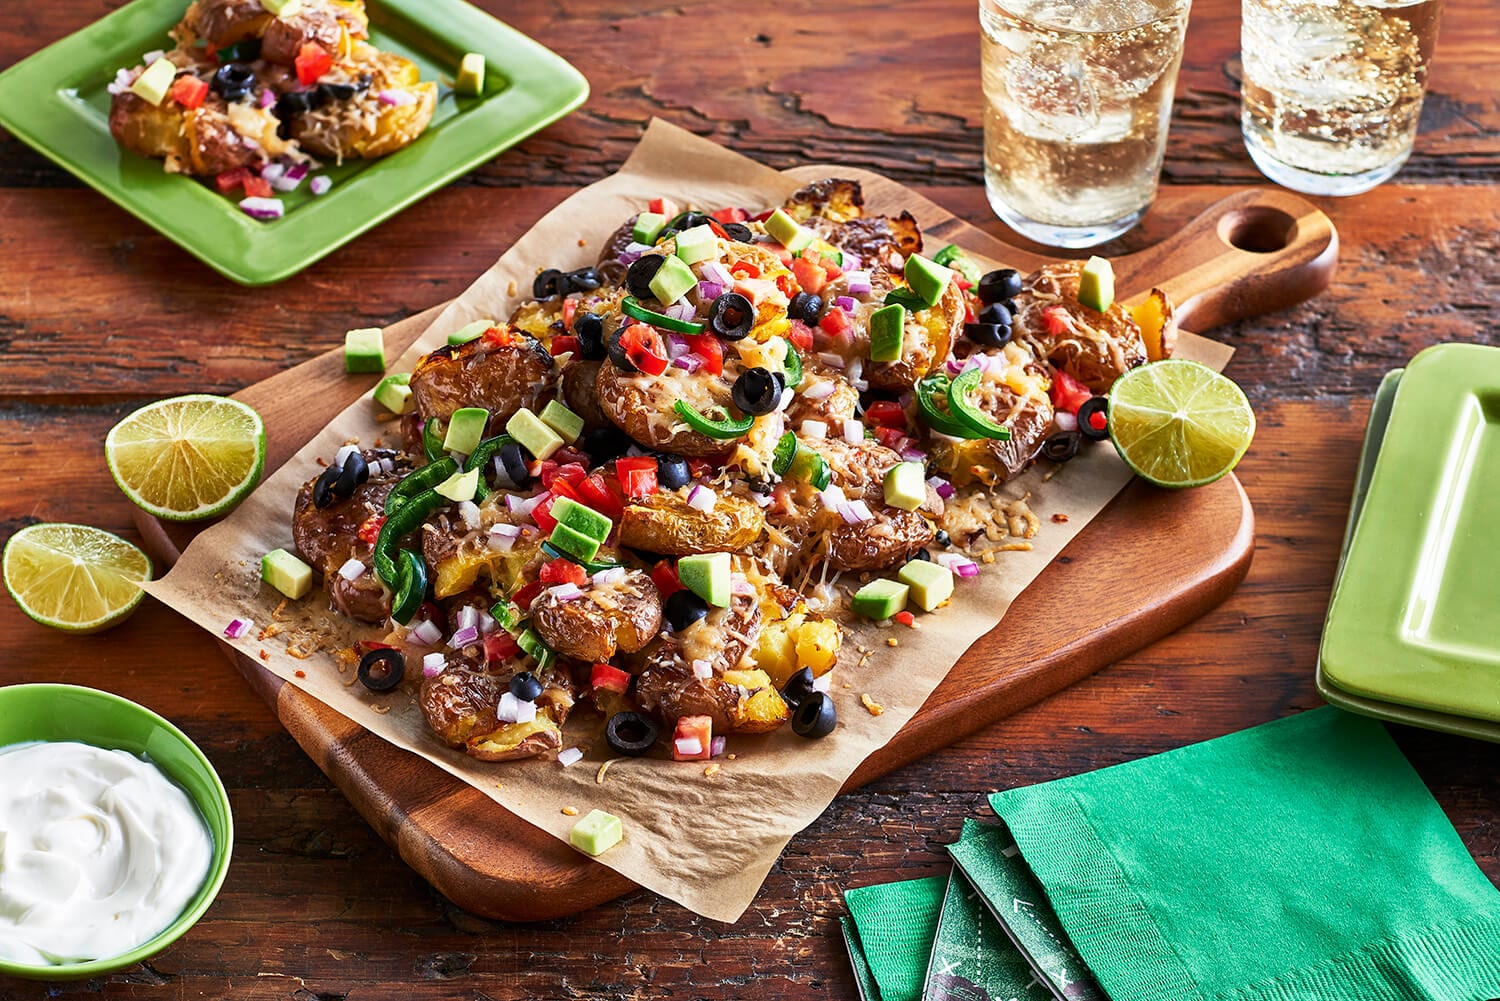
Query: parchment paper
<point x="704" y="841"/>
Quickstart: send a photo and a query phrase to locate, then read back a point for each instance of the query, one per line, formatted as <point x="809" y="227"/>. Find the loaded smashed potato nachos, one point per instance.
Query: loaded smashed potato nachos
<point x="660" y="487"/>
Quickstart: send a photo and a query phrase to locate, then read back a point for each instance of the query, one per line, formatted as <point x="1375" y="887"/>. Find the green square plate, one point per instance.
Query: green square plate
<point x="57" y="101"/>
<point x="1412" y="633"/>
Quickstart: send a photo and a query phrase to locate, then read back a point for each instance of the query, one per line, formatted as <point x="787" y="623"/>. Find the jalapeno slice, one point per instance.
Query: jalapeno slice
<point x="937" y="418"/>
<point x="971" y="416"/>
<point x="480" y="458"/>
<point x="412" y="589"/>
<point x="406" y="519"/>
<point x="812" y="467"/>
<point x="414" y="483"/>
<point x="793" y="365"/>
<point x="632" y="308"/>
<point x="786" y="451"/>
<point x="723" y="430"/>
<point x="432" y="439"/>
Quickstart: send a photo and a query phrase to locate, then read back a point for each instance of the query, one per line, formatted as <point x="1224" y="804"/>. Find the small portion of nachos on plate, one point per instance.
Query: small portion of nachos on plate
<point x="663" y="485"/>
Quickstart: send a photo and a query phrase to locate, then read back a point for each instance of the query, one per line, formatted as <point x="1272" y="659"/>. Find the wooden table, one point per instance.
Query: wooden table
<point x="99" y="314"/>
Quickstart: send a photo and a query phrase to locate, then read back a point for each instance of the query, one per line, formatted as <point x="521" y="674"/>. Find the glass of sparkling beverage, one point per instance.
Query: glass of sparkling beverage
<point x="1078" y="94"/>
<point x="1333" y="88"/>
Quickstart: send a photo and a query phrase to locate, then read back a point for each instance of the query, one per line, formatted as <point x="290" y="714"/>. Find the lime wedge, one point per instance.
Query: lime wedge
<point x="1178" y="423"/>
<point x="73" y="577"/>
<point x="189" y="457"/>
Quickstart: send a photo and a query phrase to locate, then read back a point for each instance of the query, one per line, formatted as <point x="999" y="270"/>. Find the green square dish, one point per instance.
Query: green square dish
<point x="1412" y="619"/>
<point x="57" y="101"/>
<point x="1380" y="413"/>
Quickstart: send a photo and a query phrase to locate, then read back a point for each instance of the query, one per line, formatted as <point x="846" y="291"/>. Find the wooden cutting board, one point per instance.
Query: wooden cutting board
<point x="1151" y="562"/>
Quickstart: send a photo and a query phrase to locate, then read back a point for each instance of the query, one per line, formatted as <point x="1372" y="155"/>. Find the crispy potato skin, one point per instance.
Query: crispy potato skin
<point x="929" y="339"/>
<point x="201" y="141"/>
<point x="985" y="460"/>
<point x="833" y="409"/>
<point x="394" y="127"/>
<point x="663" y="523"/>
<point x="501" y="377"/>
<point x="224" y="22"/>
<point x="608" y="619"/>
<point x="1095" y="363"/>
<point x="328" y="537"/>
<point x="668" y="686"/>
<point x="458" y="704"/>
<point x="834" y="209"/>
<point x="641" y="406"/>
<point x="580" y="391"/>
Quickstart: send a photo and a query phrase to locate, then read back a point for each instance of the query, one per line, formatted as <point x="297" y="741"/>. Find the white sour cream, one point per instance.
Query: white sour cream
<point x="99" y="852"/>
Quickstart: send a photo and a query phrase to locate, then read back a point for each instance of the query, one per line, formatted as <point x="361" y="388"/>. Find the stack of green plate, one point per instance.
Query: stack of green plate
<point x="1413" y="630"/>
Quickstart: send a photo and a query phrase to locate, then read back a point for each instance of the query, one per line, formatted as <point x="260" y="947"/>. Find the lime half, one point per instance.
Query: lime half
<point x="189" y="457"/>
<point x="73" y="577"/>
<point x="1178" y="423"/>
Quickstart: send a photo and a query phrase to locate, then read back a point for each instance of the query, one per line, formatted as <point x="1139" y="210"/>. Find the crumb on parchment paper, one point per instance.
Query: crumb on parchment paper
<point x="893" y="641"/>
<point x="711" y="770"/>
<point x="599" y="778"/>
<point x="1059" y="519"/>
<point x="871" y="706"/>
<point x="511" y="288"/>
<point x="570" y="811"/>
<point x="380" y="708"/>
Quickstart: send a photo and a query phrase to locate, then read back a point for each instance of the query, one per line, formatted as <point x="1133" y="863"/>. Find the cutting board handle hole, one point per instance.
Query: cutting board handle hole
<point x="1257" y="229"/>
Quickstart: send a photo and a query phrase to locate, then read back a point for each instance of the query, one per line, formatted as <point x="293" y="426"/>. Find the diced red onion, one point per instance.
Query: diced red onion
<point x="502" y="543"/>
<point x="913" y="454"/>
<point x="342" y="455"/>
<point x="708" y="291"/>
<point x="854" y="431"/>
<point x="823" y="682"/>
<point x="831" y="360"/>
<point x="513" y="710"/>
<point x="571" y="756"/>
<point x="716" y="746"/>
<point x="610" y="577"/>
<point x="530" y="504"/>
<point x="396" y="98"/>
<point x="433" y="664"/>
<point x="273" y="172"/>
<point x="967" y="568"/>
<point x="1065" y="421"/>
<point x="387" y="466"/>
<point x="297" y="171"/>
<point x="237" y="628"/>
<point x="856" y="512"/>
<point x="943" y="487"/>
<point x="856" y="369"/>
<point x="762" y="500"/>
<point x="702" y="670"/>
<point x="152" y="56"/>
<point x="486" y="623"/>
<point x="689" y="363"/>
<point x="688" y="747"/>
<point x="820" y="390"/>
<point x="859" y="282"/>
<point x="464" y="637"/>
<point x="504" y="530"/>
<point x="468" y="616"/>
<point x="954" y="366"/>
<point x="469" y="512"/>
<point x="319" y="185"/>
<point x="676" y="345"/>
<point x="566" y="591"/>
<point x="833" y="497"/>
<point x="739" y="585"/>
<point x="701" y="498"/>
<point x="813" y="429"/>
<point x="122" y="81"/>
<point x="426" y="633"/>
<point x="352" y="569"/>
<point x="961" y="566"/>
<point x="787" y="396"/>
<point x="681" y="311"/>
<point x="846" y="303"/>
<point x="262" y="208"/>
<point x="850" y="261"/>
<point x="717" y="273"/>
<point x="286" y="183"/>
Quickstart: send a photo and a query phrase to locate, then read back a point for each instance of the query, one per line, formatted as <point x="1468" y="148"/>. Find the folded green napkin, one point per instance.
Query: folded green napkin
<point x="896" y="923"/>
<point x="1302" y="860"/>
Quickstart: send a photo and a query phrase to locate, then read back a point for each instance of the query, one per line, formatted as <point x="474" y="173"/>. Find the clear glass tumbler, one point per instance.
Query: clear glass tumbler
<point x="1333" y="88"/>
<point x="1078" y="95"/>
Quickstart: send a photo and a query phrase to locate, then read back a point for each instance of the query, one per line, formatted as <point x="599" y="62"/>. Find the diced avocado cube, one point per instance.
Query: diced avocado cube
<point x="648" y="226"/>
<point x="469" y="332"/>
<point x="786" y="231"/>
<point x="152" y="85"/>
<point x="574" y="543"/>
<point x="881" y="598"/>
<point x="1096" y="285"/>
<point x="286" y="573"/>
<point x="364" y="350"/>
<point x="582" y="519"/>
<point x="931" y="584"/>
<point x="887" y="332"/>
<point x="707" y="576"/>
<point x="697" y="244"/>
<point x="906" y="486"/>
<point x="672" y="281"/>
<point x="470" y="79"/>
<point x="394" y="393"/>
<point x="597" y="832"/>
<point x="466" y="429"/>
<point x="927" y="278"/>
<point x="283" y="8"/>
<point x="459" y="486"/>
<point x="562" y="420"/>
<point x="530" y="642"/>
<point x="537" y="438"/>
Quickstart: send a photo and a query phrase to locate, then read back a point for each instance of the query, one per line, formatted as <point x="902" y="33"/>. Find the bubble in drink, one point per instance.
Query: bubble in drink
<point x="1078" y="95"/>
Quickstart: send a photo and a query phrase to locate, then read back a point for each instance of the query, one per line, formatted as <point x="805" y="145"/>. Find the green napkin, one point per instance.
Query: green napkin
<point x="896" y="923"/>
<point x="1301" y="860"/>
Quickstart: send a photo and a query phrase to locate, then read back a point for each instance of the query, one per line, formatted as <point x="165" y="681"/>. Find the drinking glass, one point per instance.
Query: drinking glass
<point x="1078" y="95"/>
<point x="1333" y="88"/>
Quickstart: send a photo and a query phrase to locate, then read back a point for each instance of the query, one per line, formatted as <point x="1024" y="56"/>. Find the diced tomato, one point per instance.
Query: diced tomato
<point x="963" y="283"/>
<point x="905" y="618"/>
<point x="835" y="322"/>
<point x="710" y="349"/>
<point x="1055" y="319"/>
<point x="787" y="284"/>
<point x="596" y="493"/>
<point x="257" y="187"/>
<point x="748" y="269"/>
<point x="887" y="413"/>
<point x="609" y="678"/>
<point x="562" y="344"/>
<point x="370" y="530"/>
<point x="832" y="270"/>
<point x="693" y="740"/>
<point x="366" y="646"/>
<point x="500" y="645"/>
<point x="762" y="216"/>
<point x="892" y="438"/>
<point x="699" y="468"/>
<point x="526" y="595"/>
<point x="542" y="514"/>
<point x="664" y="576"/>
<point x="809" y="274"/>
<point x="545" y="470"/>
<point x="573" y="473"/>
<point x="718" y="228"/>
<point x="563" y="488"/>
<point x="561" y="571"/>
<point x="569" y="310"/>
<point x="231" y="179"/>
<point x="189" y="91"/>
<point x="500" y="337"/>
<point x="969" y="316"/>
<point x="312" y="62"/>
<point x="782" y="254"/>
<point x="664" y="206"/>
<point x="801" y="335"/>
<point x="1068" y="394"/>
<point x="730" y="215"/>
<point x="637" y="475"/>
<point x="644" y="348"/>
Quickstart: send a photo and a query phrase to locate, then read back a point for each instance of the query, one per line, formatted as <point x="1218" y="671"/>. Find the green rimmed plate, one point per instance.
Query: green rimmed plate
<point x="57" y="102"/>
<point x="1407" y="638"/>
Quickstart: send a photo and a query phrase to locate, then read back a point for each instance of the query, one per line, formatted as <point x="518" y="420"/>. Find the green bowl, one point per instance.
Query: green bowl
<point x="67" y="712"/>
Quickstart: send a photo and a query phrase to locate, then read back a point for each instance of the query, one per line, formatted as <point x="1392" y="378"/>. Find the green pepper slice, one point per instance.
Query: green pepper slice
<point x="724" y="429"/>
<point x="632" y="308"/>
<point x="786" y="451"/>
<point x="953" y="256"/>
<point x="413" y="588"/>
<point x="432" y="439"/>
<point x="936" y="417"/>
<point x="793" y="366"/>
<point x="906" y="297"/>
<point x="406" y="519"/>
<point x="422" y="479"/>
<point x="976" y="420"/>
<point x="480" y="457"/>
<point x="812" y="467"/>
